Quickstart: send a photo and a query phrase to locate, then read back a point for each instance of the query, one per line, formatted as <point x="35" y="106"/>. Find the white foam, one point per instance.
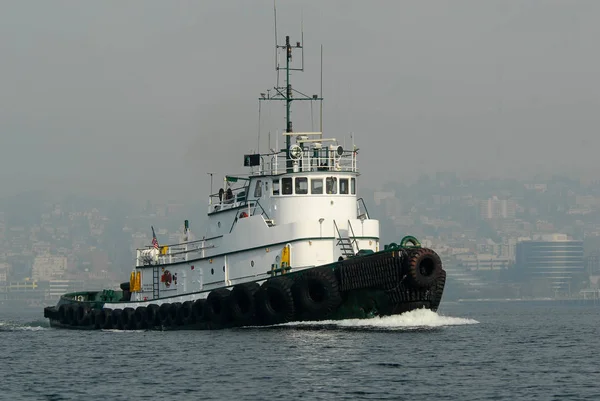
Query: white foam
<point x="11" y="326"/>
<point x="415" y="319"/>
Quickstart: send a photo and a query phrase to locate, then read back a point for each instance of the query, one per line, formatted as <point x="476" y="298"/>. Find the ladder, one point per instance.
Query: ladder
<point x="155" y="282"/>
<point x="346" y="244"/>
<point x="346" y="247"/>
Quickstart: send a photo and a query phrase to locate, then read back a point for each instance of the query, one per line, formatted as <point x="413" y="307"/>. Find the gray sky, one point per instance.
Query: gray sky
<point x="145" y="97"/>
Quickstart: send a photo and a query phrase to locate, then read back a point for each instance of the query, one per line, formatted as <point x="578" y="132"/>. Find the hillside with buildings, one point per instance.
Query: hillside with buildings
<point x="497" y="238"/>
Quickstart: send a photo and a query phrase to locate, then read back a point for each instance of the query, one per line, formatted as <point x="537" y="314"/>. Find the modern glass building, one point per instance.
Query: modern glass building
<point x="553" y="257"/>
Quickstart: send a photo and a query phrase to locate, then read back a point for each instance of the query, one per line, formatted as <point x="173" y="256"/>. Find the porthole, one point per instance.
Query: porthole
<point x="252" y="263"/>
<point x="212" y="271"/>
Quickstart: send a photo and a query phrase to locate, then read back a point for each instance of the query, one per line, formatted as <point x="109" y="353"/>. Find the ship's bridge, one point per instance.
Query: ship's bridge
<point x="309" y="180"/>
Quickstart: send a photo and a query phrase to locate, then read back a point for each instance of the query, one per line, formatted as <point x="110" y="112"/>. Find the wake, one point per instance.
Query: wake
<point x="30" y="326"/>
<point x="418" y="319"/>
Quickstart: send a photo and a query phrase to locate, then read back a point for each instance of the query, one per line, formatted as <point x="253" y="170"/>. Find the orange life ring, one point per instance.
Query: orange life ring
<point x="166" y="278"/>
<point x="243" y="214"/>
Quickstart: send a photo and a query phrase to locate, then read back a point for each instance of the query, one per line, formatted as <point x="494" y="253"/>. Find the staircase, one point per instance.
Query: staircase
<point x="347" y="244"/>
<point x="155" y="282"/>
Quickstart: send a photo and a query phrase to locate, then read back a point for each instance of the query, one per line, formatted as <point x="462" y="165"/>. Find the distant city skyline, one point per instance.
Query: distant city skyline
<point x="55" y="244"/>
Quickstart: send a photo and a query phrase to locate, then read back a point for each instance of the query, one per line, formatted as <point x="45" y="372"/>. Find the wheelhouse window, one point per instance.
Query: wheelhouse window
<point x="353" y="186"/>
<point x="258" y="189"/>
<point x="301" y="185"/>
<point x="316" y="186"/>
<point x="286" y="186"/>
<point x="344" y="186"/>
<point x="276" y="187"/>
<point x="331" y="185"/>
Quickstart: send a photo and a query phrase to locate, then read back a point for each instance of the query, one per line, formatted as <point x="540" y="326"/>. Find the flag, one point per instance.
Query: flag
<point x="154" y="240"/>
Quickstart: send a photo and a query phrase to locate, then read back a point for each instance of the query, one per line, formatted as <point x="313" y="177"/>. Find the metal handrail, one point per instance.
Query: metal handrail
<point x="338" y="232"/>
<point x="358" y="202"/>
<point x="353" y="237"/>
<point x="325" y="160"/>
<point x="256" y="204"/>
<point x="264" y="213"/>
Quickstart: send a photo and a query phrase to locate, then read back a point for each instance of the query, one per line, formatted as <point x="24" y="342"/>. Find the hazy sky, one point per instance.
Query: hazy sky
<point x="145" y="97"/>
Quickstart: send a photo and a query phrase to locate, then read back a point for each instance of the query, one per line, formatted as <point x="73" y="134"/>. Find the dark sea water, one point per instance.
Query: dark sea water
<point x="467" y="351"/>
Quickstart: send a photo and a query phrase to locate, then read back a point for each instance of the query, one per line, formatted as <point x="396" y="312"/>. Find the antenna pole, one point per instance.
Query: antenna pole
<point x="288" y="94"/>
<point x="275" y="12"/>
<point x="211" y="188"/>
<point x="258" y="145"/>
<point x="302" y="38"/>
<point x="321" y="96"/>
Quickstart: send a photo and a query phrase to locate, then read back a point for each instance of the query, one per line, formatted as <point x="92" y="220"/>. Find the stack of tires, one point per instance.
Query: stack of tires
<point x="411" y="278"/>
<point x="310" y="295"/>
<point x="426" y="280"/>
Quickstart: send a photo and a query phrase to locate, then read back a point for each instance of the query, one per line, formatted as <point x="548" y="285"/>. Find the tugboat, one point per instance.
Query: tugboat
<point x="288" y="241"/>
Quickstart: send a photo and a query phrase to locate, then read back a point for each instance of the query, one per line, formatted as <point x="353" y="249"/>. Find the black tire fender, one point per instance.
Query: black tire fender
<point x="62" y="314"/>
<point x="275" y="302"/>
<point x="140" y="317"/>
<point x="127" y="319"/>
<point x="103" y="319"/>
<point x="217" y="306"/>
<point x="163" y="313"/>
<point x="174" y="314"/>
<point x="242" y="303"/>
<point x="423" y="267"/>
<point x="115" y="319"/>
<point x="152" y="315"/>
<point x="316" y="293"/>
<point x="71" y="313"/>
<point x="198" y="310"/>
<point x="185" y="313"/>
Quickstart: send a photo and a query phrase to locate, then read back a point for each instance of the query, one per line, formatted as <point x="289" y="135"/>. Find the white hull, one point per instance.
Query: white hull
<point x="217" y="263"/>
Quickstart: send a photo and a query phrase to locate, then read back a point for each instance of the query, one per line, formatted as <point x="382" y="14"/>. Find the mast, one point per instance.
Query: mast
<point x="287" y="93"/>
<point x="288" y="84"/>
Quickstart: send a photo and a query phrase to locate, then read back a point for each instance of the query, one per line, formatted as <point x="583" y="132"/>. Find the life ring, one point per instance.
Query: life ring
<point x="243" y="215"/>
<point x="166" y="278"/>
